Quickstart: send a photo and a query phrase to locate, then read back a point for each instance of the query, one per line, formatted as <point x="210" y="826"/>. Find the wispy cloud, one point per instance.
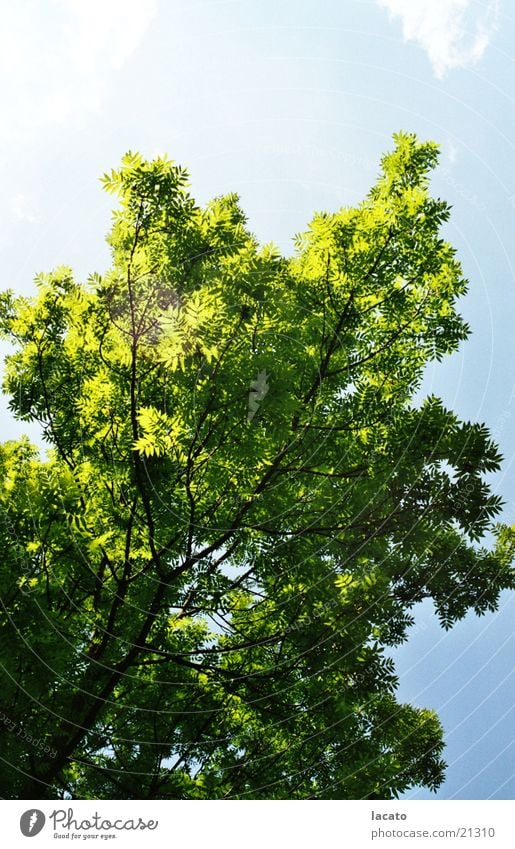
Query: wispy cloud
<point x="454" y="33"/>
<point x="451" y="151"/>
<point x="23" y="209"/>
<point x="56" y="58"/>
<point x="108" y="30"/>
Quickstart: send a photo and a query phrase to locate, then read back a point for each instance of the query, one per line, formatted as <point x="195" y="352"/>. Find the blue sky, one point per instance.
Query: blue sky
<point x="291" y="103"/>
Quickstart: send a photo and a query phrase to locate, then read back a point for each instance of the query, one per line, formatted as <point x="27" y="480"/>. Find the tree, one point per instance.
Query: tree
<point x="242" y="503"/>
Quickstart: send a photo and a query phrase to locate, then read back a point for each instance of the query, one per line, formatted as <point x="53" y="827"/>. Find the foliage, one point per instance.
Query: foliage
<point x="199" y="602"/>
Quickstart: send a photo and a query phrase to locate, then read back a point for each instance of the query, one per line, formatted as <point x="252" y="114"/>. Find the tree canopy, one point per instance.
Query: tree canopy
<point x="243" y="500"/>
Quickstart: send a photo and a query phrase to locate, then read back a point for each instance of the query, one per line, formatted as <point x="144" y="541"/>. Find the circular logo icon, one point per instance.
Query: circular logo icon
<point x="31" y="822"/>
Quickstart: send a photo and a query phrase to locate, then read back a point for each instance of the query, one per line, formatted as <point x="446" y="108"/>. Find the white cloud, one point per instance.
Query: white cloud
<point x="57" y="58"/>
<point x="23" y="209"/>
<point x="452" y="152"/>
<point x="108" y="30"/>
<point x="454" y="33"/>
